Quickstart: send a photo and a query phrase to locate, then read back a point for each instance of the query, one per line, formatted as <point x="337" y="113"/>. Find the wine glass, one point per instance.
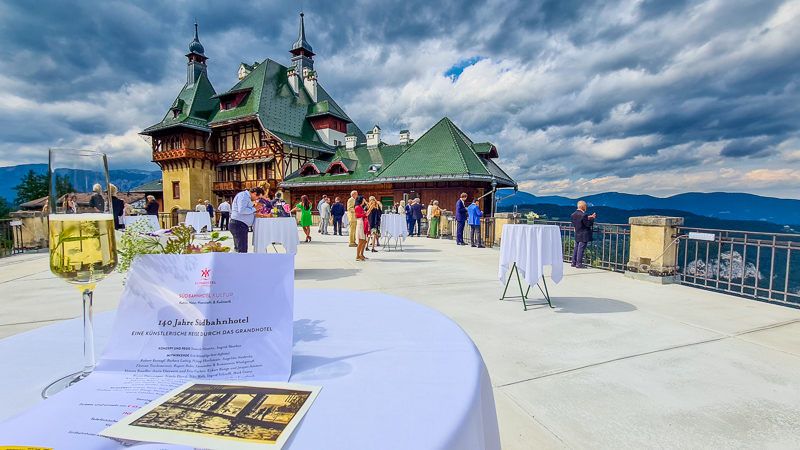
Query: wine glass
<point x="83" y="248"/>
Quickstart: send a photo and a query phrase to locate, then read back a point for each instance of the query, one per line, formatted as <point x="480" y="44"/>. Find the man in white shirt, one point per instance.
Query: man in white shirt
<point x="243" y="215"/>
<point x="224" y="209"/>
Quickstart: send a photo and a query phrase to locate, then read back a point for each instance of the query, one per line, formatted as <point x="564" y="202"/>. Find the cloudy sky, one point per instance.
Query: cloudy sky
<point x="637" y="96"/>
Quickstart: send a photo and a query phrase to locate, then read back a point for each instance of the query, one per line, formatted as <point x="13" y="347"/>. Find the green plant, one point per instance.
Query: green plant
<point x="139" y="238"/>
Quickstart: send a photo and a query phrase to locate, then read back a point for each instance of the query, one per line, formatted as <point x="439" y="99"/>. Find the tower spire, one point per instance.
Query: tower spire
<point x="302" y="53"/>
<point x="197" y="59"/>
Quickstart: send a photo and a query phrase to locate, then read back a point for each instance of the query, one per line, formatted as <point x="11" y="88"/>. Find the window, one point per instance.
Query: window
<point x="176" y="189"/>
<point x="236" y="141"/>
<point x="259" y="171"/>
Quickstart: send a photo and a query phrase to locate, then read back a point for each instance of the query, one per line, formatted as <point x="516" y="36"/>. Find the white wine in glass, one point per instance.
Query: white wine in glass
<point x="83" y="248"/>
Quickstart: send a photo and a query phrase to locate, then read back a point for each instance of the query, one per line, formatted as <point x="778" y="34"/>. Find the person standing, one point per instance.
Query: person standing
<point x="243" y="215"/>
<point x="319" y="210"/>
<point x="97" y="203"/>
<point x="200" y="206"/>
<point x="374" y="219"/>
<point x="407" y="214"/>
<point x="224" y="209"/>
<point x="305" y="215"/>
<point x="436" y="213"/>
<point x="583" y="233"/>
<point x="351" y="216"/>
<point x="416" y="217"/>
<point x="324" y="215"/>
<point x="337" y="211"/>
<point x="461" y="218"/>
<point x="117" y="207"/>
<point x="361" y="227"/>
<point x="152" y="206"/>
<point x="429" y="216"/>
<point x="210" y="210"/>
<point x="72" y="204"/>
<point x="475" y="224"/>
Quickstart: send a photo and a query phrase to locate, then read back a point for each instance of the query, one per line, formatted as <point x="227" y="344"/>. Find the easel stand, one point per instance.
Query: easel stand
<point x="524" y="295"/>
<point x="397" y="240"/>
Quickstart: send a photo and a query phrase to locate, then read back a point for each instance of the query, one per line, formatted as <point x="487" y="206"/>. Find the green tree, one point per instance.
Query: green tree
<point x="31" y="187"/>
<point x="63" y="185"/>
<point x="5" y="208"/>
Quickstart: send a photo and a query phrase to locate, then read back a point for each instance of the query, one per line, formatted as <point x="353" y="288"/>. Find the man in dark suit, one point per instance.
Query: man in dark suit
<point x="583" y="233"/>
<point x="416" y="218"/>
<point x="461" y="218"/>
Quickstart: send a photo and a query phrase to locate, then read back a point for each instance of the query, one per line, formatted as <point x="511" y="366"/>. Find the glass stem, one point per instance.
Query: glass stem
<point x="88" y="333"/>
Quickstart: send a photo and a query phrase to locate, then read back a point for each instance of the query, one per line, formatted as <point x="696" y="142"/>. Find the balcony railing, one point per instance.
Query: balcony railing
<point x="764" y="266"/>
<point x="610" y="249"/>
<point x="10" y="237"/>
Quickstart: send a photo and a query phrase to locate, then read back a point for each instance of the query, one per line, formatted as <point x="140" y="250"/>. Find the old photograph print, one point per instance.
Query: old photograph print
<point x="247" y="413"/>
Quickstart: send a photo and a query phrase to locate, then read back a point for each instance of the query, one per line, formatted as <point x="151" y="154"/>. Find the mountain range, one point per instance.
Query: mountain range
<point x="720" y="205"/>
<point x="125" y="180"/>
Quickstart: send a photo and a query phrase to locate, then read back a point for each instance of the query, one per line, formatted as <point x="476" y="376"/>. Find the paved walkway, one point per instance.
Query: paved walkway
<point x="617" y="364"/>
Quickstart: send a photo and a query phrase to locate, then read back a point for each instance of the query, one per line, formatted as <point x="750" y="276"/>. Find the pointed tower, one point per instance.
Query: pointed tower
<point x="301" y="52"/>
<point x="197" y="60"/>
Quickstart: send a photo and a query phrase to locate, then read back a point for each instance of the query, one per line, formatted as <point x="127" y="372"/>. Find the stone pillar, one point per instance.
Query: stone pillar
<point x="501" y="219"/>
<point x="653" y="254"/>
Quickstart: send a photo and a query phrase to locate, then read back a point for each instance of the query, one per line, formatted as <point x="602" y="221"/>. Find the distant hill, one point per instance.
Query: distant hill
<point x="722" y="205"/>
<point x="607" y="214"/>
<point x="123" y="179"/>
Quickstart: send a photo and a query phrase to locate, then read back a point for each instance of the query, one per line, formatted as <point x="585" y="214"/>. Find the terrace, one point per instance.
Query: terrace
<point x="619" y="363"/>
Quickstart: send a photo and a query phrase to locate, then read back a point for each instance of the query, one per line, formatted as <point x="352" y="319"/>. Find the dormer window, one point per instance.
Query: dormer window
<point x="337" y="169"/>
<point x="374" y="168"/>
<point x="309" y="169"/>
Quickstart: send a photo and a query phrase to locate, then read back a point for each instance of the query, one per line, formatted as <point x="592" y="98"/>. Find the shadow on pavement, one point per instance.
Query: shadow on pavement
<point x="324" y="274"/>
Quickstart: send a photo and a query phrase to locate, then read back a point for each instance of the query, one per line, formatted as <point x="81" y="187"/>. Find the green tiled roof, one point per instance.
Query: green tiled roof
<point x="357" y="162"/>
<point x="282" y="113"/>
<point x="482" y="147"/>
<point x="442" y="150"/>
<point x="443" y="153"/>
<point x="196" y="106"/>
<point x="153" y="186"/>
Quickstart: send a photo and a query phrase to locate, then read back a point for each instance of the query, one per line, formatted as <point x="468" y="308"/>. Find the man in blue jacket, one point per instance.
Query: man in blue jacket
<point x="416" y="218"/>
<point x="461" y="218"/>
<point x="475" y="223"/>
<point x="583" y="233"/>
<point x="337" y="211"/>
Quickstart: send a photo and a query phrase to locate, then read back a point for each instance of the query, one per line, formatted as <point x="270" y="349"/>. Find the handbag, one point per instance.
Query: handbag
<point x="437" y="213"/>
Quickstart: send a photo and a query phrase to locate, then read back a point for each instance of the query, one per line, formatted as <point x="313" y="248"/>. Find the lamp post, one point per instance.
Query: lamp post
<point x="494" y="196"/>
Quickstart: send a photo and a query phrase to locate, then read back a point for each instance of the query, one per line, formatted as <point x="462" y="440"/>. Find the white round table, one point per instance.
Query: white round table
<point x="283" y="230"/>
<point x="406" y="377"/>
<point x="198" y="220"/>
<point x="394" y="226"/>
<point x="153" y="220"/>
<point x="531" y="247"/>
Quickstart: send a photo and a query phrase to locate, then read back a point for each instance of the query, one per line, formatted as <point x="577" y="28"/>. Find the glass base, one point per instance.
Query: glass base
<point x="62" y="383"/>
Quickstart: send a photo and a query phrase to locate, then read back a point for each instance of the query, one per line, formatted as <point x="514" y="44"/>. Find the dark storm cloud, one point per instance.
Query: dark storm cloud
<point x="577" y="88"/>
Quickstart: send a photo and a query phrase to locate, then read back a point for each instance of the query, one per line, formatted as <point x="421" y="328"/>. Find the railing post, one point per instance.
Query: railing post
<point x="653" y="256"/>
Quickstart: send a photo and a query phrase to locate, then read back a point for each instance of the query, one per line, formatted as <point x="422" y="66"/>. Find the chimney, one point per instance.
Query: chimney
<point x="294" y="79"/>
<point x="350" y="141"/>
<point x="310" y="82"/>
<point x="374" y="137"/>
<point x="405" y="137"/>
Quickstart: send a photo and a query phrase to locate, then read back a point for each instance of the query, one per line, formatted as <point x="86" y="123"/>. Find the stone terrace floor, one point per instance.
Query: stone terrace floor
<point x="617" y="364"/>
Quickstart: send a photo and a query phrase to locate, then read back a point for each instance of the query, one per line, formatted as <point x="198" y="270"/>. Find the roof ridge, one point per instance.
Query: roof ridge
<point x="450" y="126"/>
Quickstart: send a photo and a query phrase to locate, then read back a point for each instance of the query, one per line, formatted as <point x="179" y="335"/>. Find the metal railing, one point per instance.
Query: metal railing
<point x="610" y="249"/>
<point x="10" y="237"/>
<point x="764" y="266"/>
<point x="487" y="234"/>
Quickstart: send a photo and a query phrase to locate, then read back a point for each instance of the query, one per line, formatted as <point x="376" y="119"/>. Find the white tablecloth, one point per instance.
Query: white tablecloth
<point x="394" y="226"/>
<point x="198" y="220"/>
<point x="128" y="220"/>
<point x="267" y="230"/>
<point x="532" y="247"/>
<point x="406" y="377"/>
